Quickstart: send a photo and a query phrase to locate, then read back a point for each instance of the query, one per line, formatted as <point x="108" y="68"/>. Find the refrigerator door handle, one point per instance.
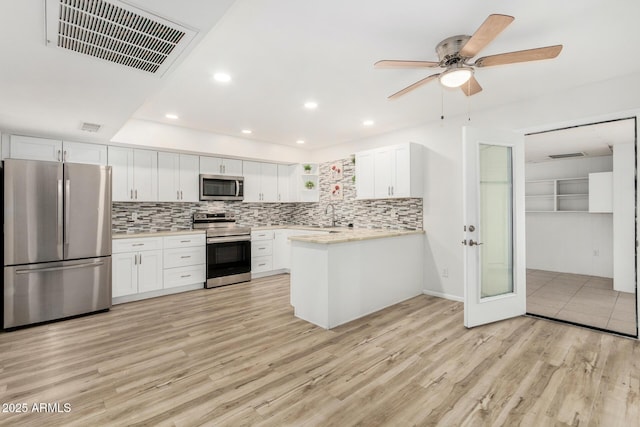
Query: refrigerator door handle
<point x="67" y="210"/>
<point x="68" y="267"/>
<point x="60" y="213"/>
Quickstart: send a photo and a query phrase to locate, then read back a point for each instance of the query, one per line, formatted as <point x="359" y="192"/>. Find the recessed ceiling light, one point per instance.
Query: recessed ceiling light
<point x="222" y="77"/>
<point x="310" y="105"/>
<point x="368" y="122"/>
<point x="247" y="131"/>
<point x="300" y="141"/>
<point x="171" y="116"/>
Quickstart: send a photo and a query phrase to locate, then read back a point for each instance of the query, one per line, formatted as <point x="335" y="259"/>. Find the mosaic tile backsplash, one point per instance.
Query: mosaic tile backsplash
<point x="388" y="213"/>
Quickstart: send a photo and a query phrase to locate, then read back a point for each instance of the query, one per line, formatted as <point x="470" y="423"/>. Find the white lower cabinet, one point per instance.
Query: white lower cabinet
<point x="271" y="250"/>
<point x="153" y="265"/>
<point x="136" y="265"/>
<point x="184" y="260"/>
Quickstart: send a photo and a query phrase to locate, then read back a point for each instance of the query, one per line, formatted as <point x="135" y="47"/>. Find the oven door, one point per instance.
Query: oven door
<point x="220" y="187"/>
<point x="228" y="260"/>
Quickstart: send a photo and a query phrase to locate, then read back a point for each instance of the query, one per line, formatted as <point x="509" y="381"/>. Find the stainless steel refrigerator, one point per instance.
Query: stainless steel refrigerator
<point x="57" y="240"/>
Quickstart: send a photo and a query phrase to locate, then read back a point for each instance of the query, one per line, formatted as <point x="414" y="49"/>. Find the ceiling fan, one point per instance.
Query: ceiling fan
<point x="455" y="53"/>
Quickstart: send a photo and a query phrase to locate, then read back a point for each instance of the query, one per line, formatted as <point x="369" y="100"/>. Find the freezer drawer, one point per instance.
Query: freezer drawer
<point x="54" y="290"/>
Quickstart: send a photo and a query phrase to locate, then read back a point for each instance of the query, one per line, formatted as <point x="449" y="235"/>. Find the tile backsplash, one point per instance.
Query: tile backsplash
<point x="387" y="213"/>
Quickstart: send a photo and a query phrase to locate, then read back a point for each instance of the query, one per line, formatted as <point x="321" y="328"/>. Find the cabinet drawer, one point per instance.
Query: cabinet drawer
<point x="262" y="235"/>
<point x="182" y="276"/>
<point x="261" y="248"/>
<point x="182" y="257"/>
<point x="261" y="263"/>
<point x="184" y="241"/>
<point x="136" y="244"/>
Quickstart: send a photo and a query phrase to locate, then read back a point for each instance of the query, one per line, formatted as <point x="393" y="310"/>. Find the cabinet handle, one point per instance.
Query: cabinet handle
<point x="59" y="153"/>
<point x="64" y="156"/>
<point x="185" y="256"/>
<point x="392" y="190"/>
<point x="262" y="249"/>
<point x="181" y="195"/>
<point x="185" y="276"/>
<point x="178" y="195"/>
<point x="138" y="244"/>
<point x="131" y="194"/>
<point x="136" y="194"/>
<point x="140" y="259"/>
<point x="224" y="168"/>
<point x="185" y="241"/>
<point x="262" y="265"/>
<point x="135" y="259"/>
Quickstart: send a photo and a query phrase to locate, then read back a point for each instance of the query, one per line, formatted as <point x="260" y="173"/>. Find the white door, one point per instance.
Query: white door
<point x="149" y="271"/>
<point x="493" y="225"/>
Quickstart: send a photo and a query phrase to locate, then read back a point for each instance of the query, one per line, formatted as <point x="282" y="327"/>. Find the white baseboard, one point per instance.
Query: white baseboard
<point x="443" y="295"/>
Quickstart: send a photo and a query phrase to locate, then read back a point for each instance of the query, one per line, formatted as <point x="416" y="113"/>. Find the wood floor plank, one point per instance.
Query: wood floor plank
<point x="238" y="356"/>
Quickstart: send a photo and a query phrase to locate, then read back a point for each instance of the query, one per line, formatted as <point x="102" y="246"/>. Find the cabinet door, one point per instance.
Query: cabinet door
<point x="252" y="181"/>
<point x="365" y="176"/>
<point x="281" y="250"/>
<point x="284" y="183"/>
<point x="382" y="178"/>
<point x="232" y="167"/>
<point x="29" y="148"/>
<point x="121" y="162"/>
<point x="210" y="165"/>
<point x="401" y="172"/>
<point x="145" y="175"/>
<point x="269" y="182"/>
<point x="124" y="273"/>
<point x="168" y="177"/>
<point x="149" y="271"/>
<point x="80" y="152"/>
<point x="189" y="178"/>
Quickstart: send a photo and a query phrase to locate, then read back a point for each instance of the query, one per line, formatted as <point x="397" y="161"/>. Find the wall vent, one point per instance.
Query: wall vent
<point x="564" y="156"/>
<point x="116" y="32"/>
<point x="90" y="127"/>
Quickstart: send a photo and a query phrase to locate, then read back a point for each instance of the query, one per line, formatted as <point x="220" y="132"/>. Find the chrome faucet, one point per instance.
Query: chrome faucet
<point x="333" y="213"/>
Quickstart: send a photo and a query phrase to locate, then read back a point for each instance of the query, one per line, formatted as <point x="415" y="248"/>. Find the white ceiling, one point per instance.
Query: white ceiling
<point x="281" y="53"/>
<point x="590" y="139"/>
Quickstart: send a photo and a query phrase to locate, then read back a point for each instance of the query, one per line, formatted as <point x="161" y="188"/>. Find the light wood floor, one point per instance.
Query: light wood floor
<point x="237" y="356"/>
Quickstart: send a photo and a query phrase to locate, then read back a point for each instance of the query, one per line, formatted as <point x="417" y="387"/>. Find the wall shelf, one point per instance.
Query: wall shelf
<point x="557" y="195"/>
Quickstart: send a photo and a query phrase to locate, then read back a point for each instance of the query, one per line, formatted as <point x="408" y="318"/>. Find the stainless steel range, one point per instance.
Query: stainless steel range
<point x="228" y="249"/>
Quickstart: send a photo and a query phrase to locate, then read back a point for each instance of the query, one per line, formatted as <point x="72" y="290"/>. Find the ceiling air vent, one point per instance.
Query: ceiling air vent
<point x="90" y="127"/>
<point x="116" y="32"/>
<point x="564" y="156"/>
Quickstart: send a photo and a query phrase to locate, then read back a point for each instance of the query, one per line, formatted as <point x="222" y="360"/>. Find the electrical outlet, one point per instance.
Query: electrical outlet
<point x="445" y="272"/>
<point x="134" y="216"/>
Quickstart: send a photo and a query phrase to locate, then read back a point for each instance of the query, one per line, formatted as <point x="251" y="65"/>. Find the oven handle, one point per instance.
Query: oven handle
<point x="228" y="239"/>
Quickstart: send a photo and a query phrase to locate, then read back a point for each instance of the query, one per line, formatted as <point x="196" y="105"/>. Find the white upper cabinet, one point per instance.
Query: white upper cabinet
<point x="389" y="172"/>
<point x="220" y="166"/>
<point x="54" y="150"/>
<point x="285" y="176"/>
<point x="178" y="177"/>
<point x="134" y="174"/>
<point x="260" y="182"/>
<point x="80" y="152"/>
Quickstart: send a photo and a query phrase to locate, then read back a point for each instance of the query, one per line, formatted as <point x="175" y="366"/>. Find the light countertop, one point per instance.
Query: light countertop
<point x="350" y="235"/>
<point x="155" y="234"/>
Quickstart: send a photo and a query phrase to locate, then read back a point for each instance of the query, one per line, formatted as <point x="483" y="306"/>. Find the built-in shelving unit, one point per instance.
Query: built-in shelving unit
<point x="557" y="195"/>
<point x="309" y="194"/>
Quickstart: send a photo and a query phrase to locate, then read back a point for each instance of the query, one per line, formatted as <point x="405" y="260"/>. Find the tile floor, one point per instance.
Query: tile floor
<point x="587" y="300"/>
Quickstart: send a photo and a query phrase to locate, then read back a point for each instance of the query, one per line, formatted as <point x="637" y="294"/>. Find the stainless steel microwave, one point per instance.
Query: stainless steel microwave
<point x="221" y="187"/>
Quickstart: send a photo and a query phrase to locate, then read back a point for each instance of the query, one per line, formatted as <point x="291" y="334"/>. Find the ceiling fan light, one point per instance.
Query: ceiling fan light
<point x="456" y="77"/>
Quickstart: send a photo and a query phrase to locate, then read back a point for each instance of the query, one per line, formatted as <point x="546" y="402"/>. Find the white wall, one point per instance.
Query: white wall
<point x="161" y="136"/>
<point x="623" y="218"/>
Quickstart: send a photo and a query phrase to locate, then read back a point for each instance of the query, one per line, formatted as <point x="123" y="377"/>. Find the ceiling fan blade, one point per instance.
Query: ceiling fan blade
<point x="392" y="63"/>
<point x="548" y="52"/>
<point x="489" y="30"/>
<point x="414" y="86"/>
<point x="471" y="87"/>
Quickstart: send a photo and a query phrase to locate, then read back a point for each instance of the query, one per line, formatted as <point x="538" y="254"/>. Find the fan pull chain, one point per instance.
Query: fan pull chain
<point x="469" y="100"/>
<point x="441" y="104"/>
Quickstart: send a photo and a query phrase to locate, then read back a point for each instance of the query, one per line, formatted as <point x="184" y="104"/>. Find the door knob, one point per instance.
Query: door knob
<point x="472" y="243"/>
